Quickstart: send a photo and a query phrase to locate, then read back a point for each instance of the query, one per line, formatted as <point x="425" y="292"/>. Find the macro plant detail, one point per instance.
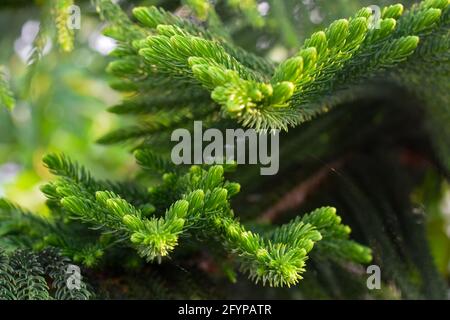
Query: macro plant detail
<point x="206" y="225"/>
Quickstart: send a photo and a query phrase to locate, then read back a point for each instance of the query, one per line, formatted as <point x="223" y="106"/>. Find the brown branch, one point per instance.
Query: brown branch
<point x="297" y="196"/>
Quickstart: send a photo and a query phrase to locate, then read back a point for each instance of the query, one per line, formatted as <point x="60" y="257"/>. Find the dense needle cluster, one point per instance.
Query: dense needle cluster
<point x="175" y="70"/>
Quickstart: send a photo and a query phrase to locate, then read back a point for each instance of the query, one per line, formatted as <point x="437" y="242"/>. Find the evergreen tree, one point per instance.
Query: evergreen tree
<point x="348" y="189"/>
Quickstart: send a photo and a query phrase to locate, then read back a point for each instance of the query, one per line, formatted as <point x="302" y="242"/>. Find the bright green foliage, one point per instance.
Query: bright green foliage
<point x="250" y="90"/>
<point x="175" y="69"/>
<point x="201" y="8"/>
<point x="61" y="17"/>
<point x="201" y="201"/>
<point x="6" y="96"/>
<point x="276" y="258"/>
<point x="249" y="9"/>
<point x="204" y="10"/>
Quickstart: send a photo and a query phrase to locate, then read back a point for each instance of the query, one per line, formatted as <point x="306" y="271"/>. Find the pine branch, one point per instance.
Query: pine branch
<point x="198" y="204"/>
<point x="201" y="8"/>
<point x="61" y="166"/>
<point x="330" y="62"/>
